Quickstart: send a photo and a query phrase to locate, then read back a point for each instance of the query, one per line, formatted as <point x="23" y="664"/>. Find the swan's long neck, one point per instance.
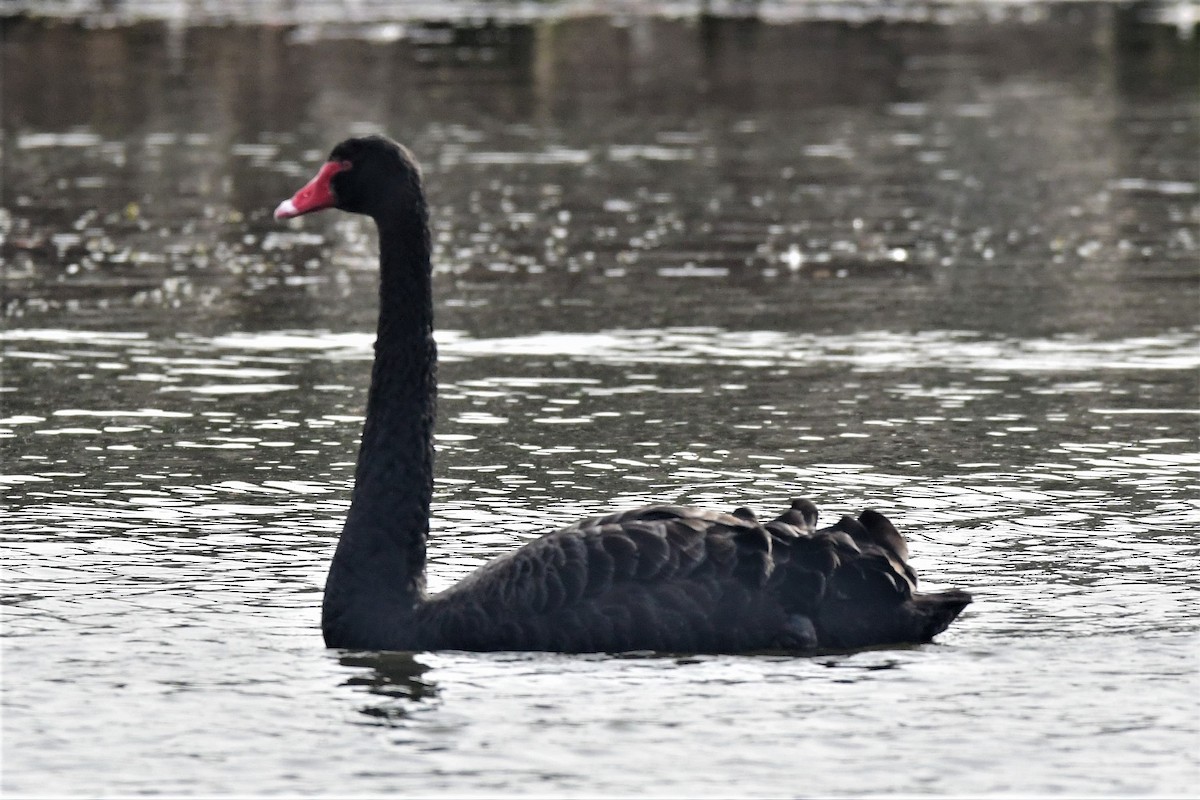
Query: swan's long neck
<point x="378" y="571"/>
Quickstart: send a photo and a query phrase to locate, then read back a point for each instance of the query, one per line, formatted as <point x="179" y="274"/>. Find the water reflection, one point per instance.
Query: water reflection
<point x="395" y="678"/>
<point x="847" y="167"/>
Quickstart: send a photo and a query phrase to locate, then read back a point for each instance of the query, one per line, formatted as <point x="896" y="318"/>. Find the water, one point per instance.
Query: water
<point x="944" y="265"/>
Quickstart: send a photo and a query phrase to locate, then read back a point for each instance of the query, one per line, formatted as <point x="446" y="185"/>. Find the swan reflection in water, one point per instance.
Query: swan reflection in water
<point x="659" y="578"/>
<point x="396" y="677"/>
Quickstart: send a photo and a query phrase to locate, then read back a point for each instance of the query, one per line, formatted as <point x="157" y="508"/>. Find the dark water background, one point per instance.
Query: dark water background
<point x="939" y="259"/>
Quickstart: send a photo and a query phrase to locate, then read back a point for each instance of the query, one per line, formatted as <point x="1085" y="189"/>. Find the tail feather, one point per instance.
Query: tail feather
<point x="938" y="610"/>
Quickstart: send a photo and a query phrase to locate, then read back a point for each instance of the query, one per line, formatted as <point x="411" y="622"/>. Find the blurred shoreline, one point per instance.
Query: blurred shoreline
<point x="1182" y="14"/>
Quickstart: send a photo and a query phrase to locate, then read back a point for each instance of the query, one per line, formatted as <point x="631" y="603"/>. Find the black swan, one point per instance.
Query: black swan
<point x="660" y="578"/>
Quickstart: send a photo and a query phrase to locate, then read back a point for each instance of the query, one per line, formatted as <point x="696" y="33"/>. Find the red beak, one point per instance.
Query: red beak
<point x="315" y="195"/>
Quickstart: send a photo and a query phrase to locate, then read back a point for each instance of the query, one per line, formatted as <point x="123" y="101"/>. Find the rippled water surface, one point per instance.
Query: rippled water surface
<point x="939" y="260"/>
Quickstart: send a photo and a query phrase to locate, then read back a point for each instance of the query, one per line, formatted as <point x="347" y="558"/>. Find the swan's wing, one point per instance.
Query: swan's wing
<point x="673" y="578"/>
<point x="863" y="559"/>
<point x="654" y="578"/>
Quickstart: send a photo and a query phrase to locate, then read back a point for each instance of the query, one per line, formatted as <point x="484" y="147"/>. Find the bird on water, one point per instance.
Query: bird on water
<point x="661" y="578"/>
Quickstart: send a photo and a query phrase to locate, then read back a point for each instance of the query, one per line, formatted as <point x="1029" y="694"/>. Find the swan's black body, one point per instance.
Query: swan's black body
<point x="664" y="578"/>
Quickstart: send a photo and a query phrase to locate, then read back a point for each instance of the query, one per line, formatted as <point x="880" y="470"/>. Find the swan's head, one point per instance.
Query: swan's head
<point x="370" y="175"/>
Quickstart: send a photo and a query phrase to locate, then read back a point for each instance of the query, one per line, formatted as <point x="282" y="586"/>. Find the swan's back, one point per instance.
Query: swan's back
<point x="679" y="579"/>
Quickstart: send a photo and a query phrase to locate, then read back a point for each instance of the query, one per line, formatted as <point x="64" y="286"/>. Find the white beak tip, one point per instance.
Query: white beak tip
<point x="286" y="210"/>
